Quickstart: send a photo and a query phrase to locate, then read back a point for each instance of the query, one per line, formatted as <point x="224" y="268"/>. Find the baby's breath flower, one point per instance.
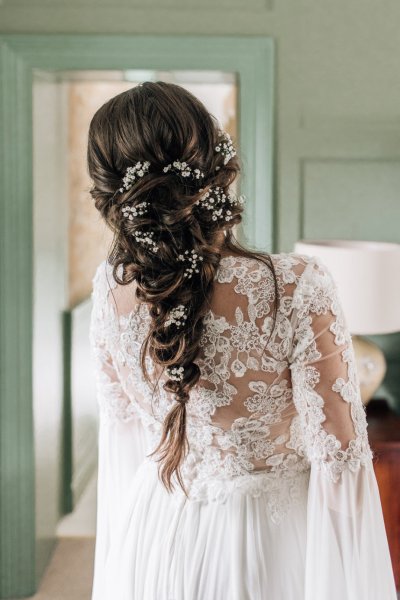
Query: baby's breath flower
<point x="132" y="173"/>
<point x="183" y="169"/>
<point x="225" y="147"/>
<point x="146" y="238"/>
<point x="177" y="316"/>
<point x="193" y="258"/>
<point x="215" y="199"/>
<point x="131" y="211"/>
<point x="175" y="373"/>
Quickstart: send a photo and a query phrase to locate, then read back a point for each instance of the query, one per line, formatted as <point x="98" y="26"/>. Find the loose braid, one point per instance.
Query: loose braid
<point x="158" y="122"/>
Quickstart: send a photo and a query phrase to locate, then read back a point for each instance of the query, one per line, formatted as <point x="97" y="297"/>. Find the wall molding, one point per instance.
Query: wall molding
<point x="254" y="6"/>
<point x="17" y="511"/>
<point x="333" y="160"/>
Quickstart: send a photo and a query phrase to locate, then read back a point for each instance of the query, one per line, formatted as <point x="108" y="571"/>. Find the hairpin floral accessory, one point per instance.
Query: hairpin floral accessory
<point x="226" y="148"/>
<point x="193" y="258"/>
<point x="177" y="316"/>
<point x="133" y="173"/>
<point x="183" y="169"/>
<point x="215" y="199"/>
<point x="175" y="373"/>
<point x="146" y="238"/>
<point x="131" y="211"/>
<point x="141" y="168"/>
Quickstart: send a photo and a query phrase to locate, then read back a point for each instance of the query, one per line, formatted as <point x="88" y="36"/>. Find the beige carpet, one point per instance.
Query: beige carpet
<point x="70" y="571"/>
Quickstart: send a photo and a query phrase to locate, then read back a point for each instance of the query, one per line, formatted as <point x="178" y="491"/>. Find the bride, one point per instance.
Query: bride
<point x="234" y="461"/>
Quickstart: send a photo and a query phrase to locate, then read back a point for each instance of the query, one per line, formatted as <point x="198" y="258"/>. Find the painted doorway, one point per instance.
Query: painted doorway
<point x="69" y="242"/>
<point x="23" y="555"/>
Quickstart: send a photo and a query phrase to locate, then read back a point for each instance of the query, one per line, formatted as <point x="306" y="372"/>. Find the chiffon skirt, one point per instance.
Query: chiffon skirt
<point x="328" y="542"/>
<point x="165" y="547"/>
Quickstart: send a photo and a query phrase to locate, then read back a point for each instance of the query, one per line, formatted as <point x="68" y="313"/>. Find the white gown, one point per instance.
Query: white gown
<point x="283" y="500"/>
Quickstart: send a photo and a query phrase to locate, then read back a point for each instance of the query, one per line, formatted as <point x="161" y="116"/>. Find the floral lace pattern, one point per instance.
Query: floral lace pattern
<point x="256" y="418"/>
<point x="315" y="296"/>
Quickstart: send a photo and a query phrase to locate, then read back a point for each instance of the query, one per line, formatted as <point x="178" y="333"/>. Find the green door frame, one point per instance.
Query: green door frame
<point x="252" y="59"/>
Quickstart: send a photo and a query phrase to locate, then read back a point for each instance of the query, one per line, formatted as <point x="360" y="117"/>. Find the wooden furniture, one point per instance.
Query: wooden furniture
<point x="384" y="438"/>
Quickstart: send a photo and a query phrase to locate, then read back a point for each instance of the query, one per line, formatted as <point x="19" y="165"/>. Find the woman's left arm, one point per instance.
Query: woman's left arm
<point x="347" y="554"/>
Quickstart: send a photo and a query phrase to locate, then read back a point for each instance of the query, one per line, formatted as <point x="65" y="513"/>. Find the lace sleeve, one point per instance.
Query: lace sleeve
<point x="121" y="437"/>
<point x="347" y="550"/>
<point x="326" y="388"/>
<point x="112" y="400"/>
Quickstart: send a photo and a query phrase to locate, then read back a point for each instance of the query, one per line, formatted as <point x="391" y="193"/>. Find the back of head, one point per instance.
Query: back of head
<point x="161" y="169"/>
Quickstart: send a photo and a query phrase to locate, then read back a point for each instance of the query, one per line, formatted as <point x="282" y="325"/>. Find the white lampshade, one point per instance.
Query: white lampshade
<point x="368" y="279"/>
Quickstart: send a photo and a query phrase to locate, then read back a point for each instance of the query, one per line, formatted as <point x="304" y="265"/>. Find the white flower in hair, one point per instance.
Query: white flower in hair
<point x="183" y="169"/>
<point x="146" y="238"/>
<point x="215" y="199"/>
<point x="226" y="147"/>
<point x="177" y="316"/>
<point x="193" y="258"/>
<point x="131" y="211"/>
<point x="175" y="373"/>
<point x="133" y="173"/>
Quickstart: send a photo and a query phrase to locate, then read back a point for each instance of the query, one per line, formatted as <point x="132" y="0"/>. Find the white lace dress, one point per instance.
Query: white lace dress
<point x="283" y="501"/>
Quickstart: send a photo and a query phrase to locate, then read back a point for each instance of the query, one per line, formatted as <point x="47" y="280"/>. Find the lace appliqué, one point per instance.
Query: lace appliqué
<point x="317" y="294"/>
<point x="255" y="419"/>
<point x="281" y="492"/>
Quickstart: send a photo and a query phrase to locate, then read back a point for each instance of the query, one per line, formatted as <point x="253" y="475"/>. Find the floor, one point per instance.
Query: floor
<point x="70" y="572"/>
<point x="82" y="522"/>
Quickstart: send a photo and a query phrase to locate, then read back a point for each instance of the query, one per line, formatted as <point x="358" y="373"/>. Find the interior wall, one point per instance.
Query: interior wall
<point x="337" y="89"/>
<point x="50" y="212"/>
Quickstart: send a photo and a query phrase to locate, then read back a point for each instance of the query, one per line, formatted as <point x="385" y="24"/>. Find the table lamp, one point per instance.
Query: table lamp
<point x="367" y="275"/>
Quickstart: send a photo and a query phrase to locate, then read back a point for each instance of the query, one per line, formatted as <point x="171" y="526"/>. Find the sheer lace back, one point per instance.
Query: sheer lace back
<point x="259" y="413"/>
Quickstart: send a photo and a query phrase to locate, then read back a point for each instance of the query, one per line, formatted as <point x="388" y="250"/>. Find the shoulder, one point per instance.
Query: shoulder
<point x="102" y="280"/>
<point x="306" y="283"/>
<point x="287" y="267"/>
<point x="316" y="289"/>
<point x="297" y="268"/>
<point x="99" y="273"/>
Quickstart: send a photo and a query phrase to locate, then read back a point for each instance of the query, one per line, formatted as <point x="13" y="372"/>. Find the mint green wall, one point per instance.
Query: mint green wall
<point x="252" y="61"/>
<point x="336" y="90"/>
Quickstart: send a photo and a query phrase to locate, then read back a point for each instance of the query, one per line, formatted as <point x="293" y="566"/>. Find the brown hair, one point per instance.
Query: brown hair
<point x="161" y="122"/>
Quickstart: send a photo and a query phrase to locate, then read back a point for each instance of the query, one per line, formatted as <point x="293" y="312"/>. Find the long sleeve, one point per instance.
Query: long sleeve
<point x="347" y="554"/>
<point x="121" y="437"/>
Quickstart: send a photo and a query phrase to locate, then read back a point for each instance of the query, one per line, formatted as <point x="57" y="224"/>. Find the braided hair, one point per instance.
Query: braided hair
<point x="170" y="218"/>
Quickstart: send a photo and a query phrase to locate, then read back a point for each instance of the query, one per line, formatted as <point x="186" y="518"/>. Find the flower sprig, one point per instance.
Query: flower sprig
<point x="131" y="211"/>
<point x="183" y="169"/>
<point x="177" y="316"/>
<point x="146" y="238"/>
<point x="215" y="199"/>
<point x="225" y="147"/>
<point x="175" y="373"/>
<point x="138" y="170"/>
<point x="193" y="258"/>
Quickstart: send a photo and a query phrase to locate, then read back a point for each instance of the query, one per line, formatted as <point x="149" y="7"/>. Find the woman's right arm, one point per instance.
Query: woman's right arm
<point x="121" y="436"/>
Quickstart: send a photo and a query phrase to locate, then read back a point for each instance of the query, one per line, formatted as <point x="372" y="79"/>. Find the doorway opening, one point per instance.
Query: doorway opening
<point x="70" y="240"/>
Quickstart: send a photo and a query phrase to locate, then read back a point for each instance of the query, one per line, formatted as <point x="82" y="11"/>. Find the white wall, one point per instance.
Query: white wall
<point x="50" y="264"/>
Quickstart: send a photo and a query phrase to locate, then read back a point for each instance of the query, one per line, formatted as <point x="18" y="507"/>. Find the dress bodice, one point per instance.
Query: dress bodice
<point x="255" y="416"/>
